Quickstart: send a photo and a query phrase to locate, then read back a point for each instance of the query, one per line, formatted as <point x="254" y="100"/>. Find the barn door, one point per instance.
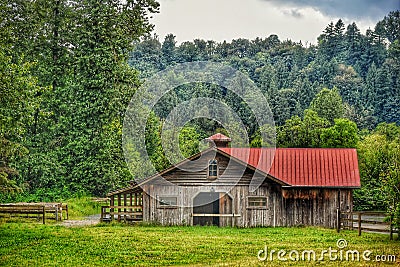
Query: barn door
<point x="206" y="203"/>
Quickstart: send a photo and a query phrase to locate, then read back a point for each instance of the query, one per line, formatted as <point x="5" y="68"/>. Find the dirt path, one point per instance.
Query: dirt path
<point x="90" y="220"/>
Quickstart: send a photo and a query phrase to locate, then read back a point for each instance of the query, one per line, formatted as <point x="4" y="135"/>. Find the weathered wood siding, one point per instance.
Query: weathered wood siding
<point x="314" y="206"/>
<point x="285" y="206"/>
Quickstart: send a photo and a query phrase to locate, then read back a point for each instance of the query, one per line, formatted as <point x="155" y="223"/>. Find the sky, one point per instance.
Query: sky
<point x="296" y="20"/>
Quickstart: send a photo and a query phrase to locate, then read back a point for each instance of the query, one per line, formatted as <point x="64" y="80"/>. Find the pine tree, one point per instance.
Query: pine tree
<point x="168" y="49"/>
<point x="353" y="41"/>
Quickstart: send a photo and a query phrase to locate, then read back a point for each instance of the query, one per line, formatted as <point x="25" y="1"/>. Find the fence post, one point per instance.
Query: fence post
<point x="112" y="199"/>
<point x="119" y="209"/>
<point x="338" y="220"/>
<point x="44" y="214"/>
<point x="56" y="208"/>
<point x="391" y="227"/>
<point x="359" y="224"/>
<point x="352" y="218"/>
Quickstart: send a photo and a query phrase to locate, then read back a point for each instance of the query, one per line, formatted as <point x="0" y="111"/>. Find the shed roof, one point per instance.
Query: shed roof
<point x="311" y="167"/>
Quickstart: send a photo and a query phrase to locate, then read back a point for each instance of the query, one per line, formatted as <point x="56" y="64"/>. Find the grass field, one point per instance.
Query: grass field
<point x="24" y="244"/>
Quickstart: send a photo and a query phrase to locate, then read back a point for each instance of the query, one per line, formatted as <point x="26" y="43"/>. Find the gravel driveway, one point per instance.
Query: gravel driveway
<point x="90" y="220"/>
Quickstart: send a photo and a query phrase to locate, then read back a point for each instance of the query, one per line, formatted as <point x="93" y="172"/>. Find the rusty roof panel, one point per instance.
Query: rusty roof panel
<point x="326" y="167"/>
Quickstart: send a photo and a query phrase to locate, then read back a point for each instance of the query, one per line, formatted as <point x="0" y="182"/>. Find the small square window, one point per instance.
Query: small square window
<point x="256" y="202"/>
<point x="167" y="202"/>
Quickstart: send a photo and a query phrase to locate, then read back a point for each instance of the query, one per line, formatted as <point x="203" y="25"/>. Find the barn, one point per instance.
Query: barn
<point x="245" y="187"/>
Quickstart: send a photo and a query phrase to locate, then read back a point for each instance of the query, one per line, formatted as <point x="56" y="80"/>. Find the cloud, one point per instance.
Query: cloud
<point x="293" y="12"/>
<point x="353" y="9"/>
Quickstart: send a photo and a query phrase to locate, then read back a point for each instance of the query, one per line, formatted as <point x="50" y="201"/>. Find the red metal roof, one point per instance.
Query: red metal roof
<point x="326" y="167"/>
<point x="219" y="137"/>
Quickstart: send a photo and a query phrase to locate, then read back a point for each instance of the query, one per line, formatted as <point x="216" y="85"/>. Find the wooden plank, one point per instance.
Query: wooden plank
<point x="44" y="215"/>
<point x="103" y="213"/>
<point x="21" y="207"/>
<point x="375" y="230"/>
<point x="391" y="227"/>
<point x="372" y="213"/>
<point x="215" y="215"/>
<point x="119" y="204"/>
<point x="123" y="207"/>
<point x="366" y="221"/>
<point x="376" y="213"/>
<point x="38" y="211"/>
<point x="126" y="213"/>
<point x="338" y="220"/>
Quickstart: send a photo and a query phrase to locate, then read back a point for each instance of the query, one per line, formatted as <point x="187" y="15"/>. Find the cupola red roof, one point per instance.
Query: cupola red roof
<point x="219" y="137"/>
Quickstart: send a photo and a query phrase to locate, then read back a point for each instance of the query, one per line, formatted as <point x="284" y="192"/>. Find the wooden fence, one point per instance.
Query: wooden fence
<point x="37" y="209"/>
<point x="367" y="221"/>
<point x="126" y="213"/>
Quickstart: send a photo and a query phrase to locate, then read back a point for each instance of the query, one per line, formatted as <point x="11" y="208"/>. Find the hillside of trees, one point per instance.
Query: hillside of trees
<point x="362" y="68"/>
<point x="69" y="69"/>
<point x="342" y="92"/>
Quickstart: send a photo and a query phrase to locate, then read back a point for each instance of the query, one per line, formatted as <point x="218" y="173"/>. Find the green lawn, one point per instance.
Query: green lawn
<point x="24" y="244"/>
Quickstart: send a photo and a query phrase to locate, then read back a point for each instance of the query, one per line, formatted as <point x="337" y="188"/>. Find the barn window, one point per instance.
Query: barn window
<point x="213" y="168"/>
<point x="256" y="202"/>
<point x="167" y="202"/>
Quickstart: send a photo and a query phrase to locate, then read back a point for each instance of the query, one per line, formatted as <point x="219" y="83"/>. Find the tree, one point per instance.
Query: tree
<point x="331" y="41"/>
<point x="189" y="140"/>
<point x="305" y="90"/>
<point x="379" y="161"/>
<point x="101" y="87"/>
<point x="168" y="49"/>
<point x="146" y="56"/>
<point x="349" y="84"/>
<point x="266" y="139"/>
<point x="284" y="105"/>
<point x="328" y="104"/>
<point x="17" y="104"/>
<point x="344" y="134"/>
<point x="339" y="42"/>
<point x="82" y="48"/>
<point x="387" y="96"/>
<point x="368" y="95"/>
<point x="267" y="80"/>
<point x="389" y="27"/>
<point x="306" y="132"/>
<point x="353" y="39"/>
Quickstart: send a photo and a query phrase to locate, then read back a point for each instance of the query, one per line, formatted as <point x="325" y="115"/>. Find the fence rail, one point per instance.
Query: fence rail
<point x="39" y="209"/>
<point x="367" y="221"/>
<point x="126" y="213"/>
<point x="215" y="215"/>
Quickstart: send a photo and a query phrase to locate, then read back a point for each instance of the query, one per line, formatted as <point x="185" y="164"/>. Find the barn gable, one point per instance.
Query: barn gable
<point x="239" y="172"/>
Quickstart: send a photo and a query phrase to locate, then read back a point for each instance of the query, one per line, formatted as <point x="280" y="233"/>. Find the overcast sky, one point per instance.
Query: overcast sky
<point x="297" y="20"/>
